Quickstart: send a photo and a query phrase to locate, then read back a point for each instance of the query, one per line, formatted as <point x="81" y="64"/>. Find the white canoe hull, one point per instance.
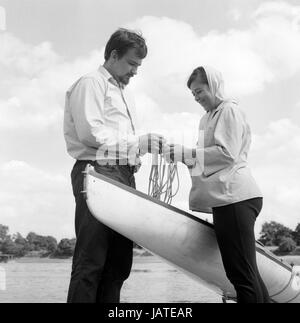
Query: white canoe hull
<point x="180" y="238"/>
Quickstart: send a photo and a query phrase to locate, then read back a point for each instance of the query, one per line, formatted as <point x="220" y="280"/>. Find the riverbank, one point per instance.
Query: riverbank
<point x="138" y="257"/>
<point x="141" y="254"/>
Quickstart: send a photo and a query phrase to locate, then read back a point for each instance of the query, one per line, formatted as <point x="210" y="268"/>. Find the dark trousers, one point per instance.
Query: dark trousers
<point x="102" y="258"/>
<point x="234" y="227"/>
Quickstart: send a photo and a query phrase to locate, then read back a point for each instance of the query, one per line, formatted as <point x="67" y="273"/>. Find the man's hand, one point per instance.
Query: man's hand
<point x="151" y="143"/>
<point x="178" y="153"/>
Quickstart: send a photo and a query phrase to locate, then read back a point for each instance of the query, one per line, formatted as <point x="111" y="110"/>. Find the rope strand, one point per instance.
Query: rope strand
<point x="161" y="179"/>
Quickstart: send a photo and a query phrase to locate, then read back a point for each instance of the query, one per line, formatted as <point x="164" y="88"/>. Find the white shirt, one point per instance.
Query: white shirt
<point x="98" y="121"/>
<point x="220" y="174"/>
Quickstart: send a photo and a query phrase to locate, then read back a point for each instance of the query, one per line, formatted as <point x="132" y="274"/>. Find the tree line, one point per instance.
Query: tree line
<point x="272" y="234"/>
<point x="276" y="234"/>
<point x="34" y="245"/>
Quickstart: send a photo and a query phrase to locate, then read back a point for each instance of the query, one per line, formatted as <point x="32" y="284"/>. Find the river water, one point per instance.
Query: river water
<point x="151" y="281"/>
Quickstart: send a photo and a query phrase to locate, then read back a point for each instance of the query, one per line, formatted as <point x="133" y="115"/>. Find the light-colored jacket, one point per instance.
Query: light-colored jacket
<point x="220" y="174"/>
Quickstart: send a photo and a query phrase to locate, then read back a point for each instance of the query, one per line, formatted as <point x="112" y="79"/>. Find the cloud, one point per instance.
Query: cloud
<point x="34" y="200"/>
<point x="296" y="112"/>
<point x="24" y="58"/>
<point x="250" y="59"/>
<point x="275" y="157"/>
<point x="2" y="19"/>
<point x="279" y="9"/>
<point x="235" y="14"/>
<point x="34" y="80"/>
<point x="180" y="127"/>
<point x="277" y="37"/>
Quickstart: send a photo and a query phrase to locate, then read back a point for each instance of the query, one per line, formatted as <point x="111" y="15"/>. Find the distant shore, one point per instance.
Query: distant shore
<point x="141" y="256"/>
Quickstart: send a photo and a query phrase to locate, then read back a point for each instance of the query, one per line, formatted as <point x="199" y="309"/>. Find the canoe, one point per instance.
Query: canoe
<point x="180" y="238"/>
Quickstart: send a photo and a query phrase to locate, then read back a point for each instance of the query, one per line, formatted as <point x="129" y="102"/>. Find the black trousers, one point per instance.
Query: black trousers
<point x="102" y="258"/>
<point x="234" y="227"/>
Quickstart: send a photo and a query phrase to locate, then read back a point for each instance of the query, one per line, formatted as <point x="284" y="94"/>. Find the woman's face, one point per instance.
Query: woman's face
<point x="203" y="95"/>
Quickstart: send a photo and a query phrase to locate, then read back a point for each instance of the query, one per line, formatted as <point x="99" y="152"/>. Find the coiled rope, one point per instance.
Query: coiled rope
<point x="161" y="179"/>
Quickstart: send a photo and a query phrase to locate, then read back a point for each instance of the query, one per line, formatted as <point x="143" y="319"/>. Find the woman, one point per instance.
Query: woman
<point x="222" y="182"/>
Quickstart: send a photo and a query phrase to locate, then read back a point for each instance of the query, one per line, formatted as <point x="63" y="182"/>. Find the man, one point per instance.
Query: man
<point x="99" y="129"/>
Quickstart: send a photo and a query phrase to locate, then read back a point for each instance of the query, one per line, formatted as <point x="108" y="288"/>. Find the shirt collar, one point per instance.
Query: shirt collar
<point x="219" y="107"/>
<point x="216" y="109"/>
<point x="103" y="71"/>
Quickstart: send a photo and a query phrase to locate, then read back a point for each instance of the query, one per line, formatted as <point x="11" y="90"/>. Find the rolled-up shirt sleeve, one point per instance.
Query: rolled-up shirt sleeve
<point x="227" y="139"/>
<point x="87" y="102"/>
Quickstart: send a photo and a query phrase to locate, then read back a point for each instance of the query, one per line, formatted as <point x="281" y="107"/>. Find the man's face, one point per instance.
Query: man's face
<point x="126" y="67"/>
<point x="203" y="95"/>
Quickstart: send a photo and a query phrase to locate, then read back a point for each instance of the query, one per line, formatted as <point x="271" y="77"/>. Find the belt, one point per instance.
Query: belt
<point x="112" y="162"/>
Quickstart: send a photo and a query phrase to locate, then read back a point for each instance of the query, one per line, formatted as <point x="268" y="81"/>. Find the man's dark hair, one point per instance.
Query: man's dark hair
<point x="122" y="40"/>
<point x="198" y="73"/>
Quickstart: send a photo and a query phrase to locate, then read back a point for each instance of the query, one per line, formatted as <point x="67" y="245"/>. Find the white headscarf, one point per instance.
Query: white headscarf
<point x="215" y="82"/>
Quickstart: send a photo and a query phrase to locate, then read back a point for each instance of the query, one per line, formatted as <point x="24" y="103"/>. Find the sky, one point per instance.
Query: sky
<point x="45" y="45"/>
